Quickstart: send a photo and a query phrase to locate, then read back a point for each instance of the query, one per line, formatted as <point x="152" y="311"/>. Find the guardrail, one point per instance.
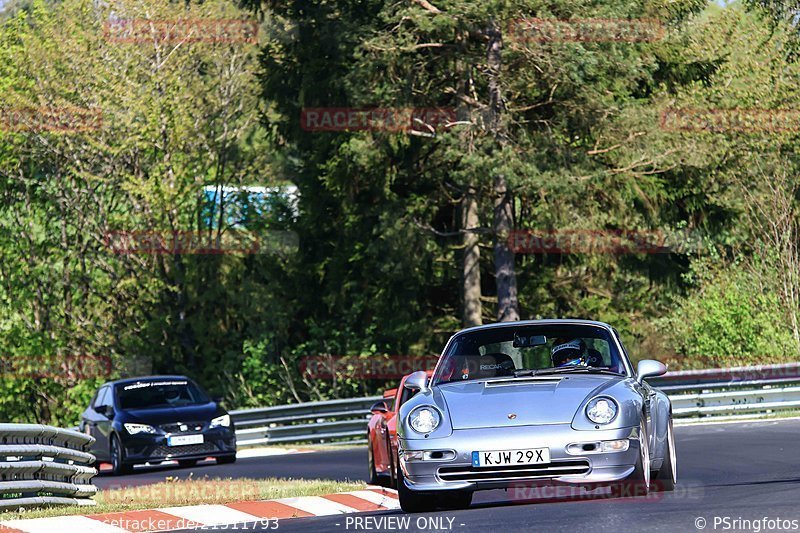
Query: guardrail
<point x="317" y="422"/>
<point x="43" y="466"/>
<point x="694" y="394"/>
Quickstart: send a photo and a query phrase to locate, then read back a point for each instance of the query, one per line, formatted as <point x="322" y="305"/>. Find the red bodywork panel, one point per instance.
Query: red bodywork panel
<point x="382" y="429"/>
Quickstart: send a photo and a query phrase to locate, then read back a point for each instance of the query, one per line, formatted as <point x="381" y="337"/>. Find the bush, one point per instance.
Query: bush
<point x="729" y="319"/>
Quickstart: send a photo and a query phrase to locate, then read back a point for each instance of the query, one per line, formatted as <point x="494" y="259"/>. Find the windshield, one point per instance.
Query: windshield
<point x="528" y="350"/>
<point x="158" y="394"/>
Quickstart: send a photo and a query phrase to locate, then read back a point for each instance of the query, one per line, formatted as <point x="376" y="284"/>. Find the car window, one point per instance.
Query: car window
<point x="102" y="396"/>
<point x="157" y="394"/>
<point x="500" y="351"/>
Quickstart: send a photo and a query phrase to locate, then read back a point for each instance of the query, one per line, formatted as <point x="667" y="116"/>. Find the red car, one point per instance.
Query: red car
<point x="382" y="434"/>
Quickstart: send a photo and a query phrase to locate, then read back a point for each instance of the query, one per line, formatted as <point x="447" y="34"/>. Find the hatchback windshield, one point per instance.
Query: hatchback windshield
<point x="529" y="350"/>
<point x="157" y="394"/>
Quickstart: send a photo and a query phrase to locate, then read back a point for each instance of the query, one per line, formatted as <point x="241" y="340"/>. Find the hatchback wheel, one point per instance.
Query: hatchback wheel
<point x="118" y="465"/>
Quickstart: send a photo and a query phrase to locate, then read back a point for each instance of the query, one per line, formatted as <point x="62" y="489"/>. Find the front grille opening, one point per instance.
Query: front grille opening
<point x="555" y="469"/>
<point x="190" y="449"/>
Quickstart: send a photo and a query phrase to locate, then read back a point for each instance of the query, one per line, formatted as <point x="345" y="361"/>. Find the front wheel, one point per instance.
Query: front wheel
<point x="118" y="466"/>
<point x="457" y="499"/>
<point x="667" y="476"/>
<point x="638" y="483"/>
<point x="226" y="459"/>
<point x="412" y="501"/>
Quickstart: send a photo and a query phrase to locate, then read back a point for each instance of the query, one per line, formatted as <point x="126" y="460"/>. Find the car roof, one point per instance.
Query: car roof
<point x="147" y="378"/>
<point x="541" y="322"/>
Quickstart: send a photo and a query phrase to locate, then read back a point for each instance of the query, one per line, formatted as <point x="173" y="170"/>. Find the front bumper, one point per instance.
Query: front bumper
<point x="150" y="448"/>
<point x="586" y="469"/>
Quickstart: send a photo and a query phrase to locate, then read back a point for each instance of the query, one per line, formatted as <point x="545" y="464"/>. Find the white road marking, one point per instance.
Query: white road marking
<point x="268" y="452"/>
<point x="317" y="506"/>
<point x="378" y="499"/>
<point x="210" y="515"/>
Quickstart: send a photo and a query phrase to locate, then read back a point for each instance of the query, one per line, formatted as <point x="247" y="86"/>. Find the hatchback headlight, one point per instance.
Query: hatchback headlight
<point x="224" y="420"/>
<point x="601" y="410"/>
<point x="133" y="429"/>
<point x="424" y="419"/>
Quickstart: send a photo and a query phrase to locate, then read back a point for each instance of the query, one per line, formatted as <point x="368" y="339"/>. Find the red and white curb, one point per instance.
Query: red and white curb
<point x="169" y="518"/>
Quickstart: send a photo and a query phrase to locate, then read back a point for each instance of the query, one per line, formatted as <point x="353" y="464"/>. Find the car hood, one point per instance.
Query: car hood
<point x="521" y="401"/>
<point x="166" y="415"/>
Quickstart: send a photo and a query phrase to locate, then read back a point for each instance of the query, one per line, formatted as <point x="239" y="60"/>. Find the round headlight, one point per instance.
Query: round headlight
<point x="424" y="419"/>
<point x="601" y="410"/>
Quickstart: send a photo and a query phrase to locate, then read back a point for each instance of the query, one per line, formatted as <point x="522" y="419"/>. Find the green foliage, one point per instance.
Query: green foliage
<point x="726" y="321"/>
<point x="577" y="136"/>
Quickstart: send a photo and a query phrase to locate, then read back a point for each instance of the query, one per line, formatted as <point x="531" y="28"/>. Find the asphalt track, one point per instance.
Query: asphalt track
<point x="732" y="477"/>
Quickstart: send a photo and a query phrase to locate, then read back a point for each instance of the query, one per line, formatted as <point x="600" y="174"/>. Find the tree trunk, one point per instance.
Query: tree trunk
<point x="503" y="219"/>
<point x="471" y="268"/>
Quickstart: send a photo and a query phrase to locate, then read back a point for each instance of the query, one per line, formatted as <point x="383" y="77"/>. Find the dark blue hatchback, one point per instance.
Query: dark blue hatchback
<point x="157" y="418"/>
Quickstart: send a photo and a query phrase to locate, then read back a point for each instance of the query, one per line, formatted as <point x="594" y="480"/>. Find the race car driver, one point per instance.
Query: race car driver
<point x="574" y="352"/>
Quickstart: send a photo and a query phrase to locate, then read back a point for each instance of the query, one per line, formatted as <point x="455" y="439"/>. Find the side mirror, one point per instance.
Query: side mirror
<point x="649" y="368"/>
<point x="107" y="411"/>
<point x="217" y="399"/>
<point x="379" y="407"/>
<point x="418" y="380"/>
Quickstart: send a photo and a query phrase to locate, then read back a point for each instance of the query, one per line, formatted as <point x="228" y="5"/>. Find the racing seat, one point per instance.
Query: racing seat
<point x="480" y="366"/>
<point x="494" y="365"/>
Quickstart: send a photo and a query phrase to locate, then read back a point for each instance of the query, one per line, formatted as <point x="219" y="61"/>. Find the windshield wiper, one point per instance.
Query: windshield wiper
<point x="580" y="368"/>
<point x="530" y="372"/>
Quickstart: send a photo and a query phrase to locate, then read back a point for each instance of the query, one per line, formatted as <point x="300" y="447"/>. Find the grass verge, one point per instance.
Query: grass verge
<point x="174" y="492"/>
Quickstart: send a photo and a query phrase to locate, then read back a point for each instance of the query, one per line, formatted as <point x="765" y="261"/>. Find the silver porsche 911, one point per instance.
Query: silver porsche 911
<point x="533" y="402"/>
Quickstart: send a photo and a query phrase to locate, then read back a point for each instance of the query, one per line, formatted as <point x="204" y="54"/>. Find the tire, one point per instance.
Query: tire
<point x="412" y="501"/>
<point x="226" y="459"/>
<point x="457" y="499"/>
<point x="393" y="461"/>
<point x="638" y="483"/>
<point x="373" y="474"/>
<point x="666" y="478"/>
<point x="185" y="463"/>
<point x="118" y="465"/>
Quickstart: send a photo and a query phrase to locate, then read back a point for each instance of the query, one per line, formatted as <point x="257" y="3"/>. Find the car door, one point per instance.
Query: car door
<point x="100" y="424"/>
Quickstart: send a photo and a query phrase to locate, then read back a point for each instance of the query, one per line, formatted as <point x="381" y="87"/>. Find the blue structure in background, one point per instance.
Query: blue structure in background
<point x="249" y="207"/>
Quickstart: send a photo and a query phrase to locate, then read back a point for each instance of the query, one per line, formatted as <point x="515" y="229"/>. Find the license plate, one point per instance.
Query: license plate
<point x="532" y="456"/>
<point x="183" y="440"/>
